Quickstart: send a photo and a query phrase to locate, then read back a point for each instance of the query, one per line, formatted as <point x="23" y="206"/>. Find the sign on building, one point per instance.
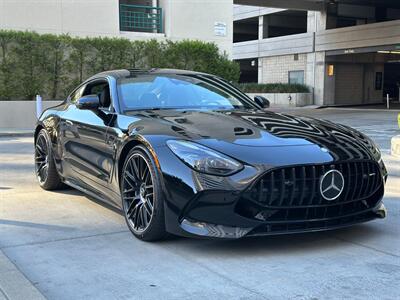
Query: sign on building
<point x="220" y="29"/>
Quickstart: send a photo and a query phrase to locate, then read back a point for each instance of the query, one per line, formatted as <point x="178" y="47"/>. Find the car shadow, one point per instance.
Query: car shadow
<point x="73" y="192"/>
<point x="35" y="225"/>
<point x="286" y="243"/>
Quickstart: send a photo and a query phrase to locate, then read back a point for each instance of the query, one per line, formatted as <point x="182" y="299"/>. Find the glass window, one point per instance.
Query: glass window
<point x="167" y="91"/>
<point x="76" y="94"/>
<point x="296" y="77"/>
<point x="102" y="90"/>
<point x="96" y="88"/>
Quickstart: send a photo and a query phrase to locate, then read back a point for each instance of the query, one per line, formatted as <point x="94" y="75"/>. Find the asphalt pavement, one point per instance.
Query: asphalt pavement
<point x="64" y="245"/>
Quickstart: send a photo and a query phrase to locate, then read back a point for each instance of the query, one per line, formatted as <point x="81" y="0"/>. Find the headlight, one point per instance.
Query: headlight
<point x="203" y="159"/>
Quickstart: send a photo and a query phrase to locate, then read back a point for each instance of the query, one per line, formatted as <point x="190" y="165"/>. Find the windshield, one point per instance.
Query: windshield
<point x="168" y="91"/>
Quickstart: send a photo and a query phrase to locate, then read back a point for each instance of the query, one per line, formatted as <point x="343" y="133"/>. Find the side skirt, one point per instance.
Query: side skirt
<point x="92" y="194"/>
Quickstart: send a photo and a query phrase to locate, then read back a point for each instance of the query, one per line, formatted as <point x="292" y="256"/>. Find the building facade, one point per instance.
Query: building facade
<point x="347" y="52"/>
<point x="206" y="20"/>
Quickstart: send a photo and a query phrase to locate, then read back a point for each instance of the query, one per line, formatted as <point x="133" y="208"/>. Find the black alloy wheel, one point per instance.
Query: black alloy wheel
<point x="45" y="167"/>
<point x="141" y="199"/>
<point x="42" y="159"/>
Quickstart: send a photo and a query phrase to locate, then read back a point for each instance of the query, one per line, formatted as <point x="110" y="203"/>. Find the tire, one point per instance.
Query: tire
<point x="45" y="168"/>
<point x="142" y="197"/>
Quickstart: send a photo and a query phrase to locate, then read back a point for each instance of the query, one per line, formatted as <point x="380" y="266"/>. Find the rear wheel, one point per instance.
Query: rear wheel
<point x="141" y="196"/>
<point x="45" y="168"/>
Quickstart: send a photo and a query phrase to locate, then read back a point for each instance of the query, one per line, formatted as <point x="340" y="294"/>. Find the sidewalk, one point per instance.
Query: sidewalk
<point x="13" y="284"/>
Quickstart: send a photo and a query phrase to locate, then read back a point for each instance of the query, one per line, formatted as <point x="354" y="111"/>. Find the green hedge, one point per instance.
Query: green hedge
<point x="51" y="65"/>
<point x="273" y="88"/>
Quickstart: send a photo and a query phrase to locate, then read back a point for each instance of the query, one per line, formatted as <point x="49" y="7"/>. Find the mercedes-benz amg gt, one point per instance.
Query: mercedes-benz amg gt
<point x="189" y="154"/>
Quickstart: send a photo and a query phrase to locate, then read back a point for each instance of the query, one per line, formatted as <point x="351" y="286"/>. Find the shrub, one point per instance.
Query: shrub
<point x="273" y="88"/>
<point x="52" y="65"/>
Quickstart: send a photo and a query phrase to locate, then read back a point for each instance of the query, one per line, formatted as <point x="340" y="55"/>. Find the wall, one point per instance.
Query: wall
<point x="276" y="68"/>
<point x="283" y="45"/>
<point x="195" y="19"/>
<point x="286" y="99"/>
<point x="385" y="33"/>
<point x="80" y="18"/>
<point x="246" y="11"/>
<point x="21" y="114"/>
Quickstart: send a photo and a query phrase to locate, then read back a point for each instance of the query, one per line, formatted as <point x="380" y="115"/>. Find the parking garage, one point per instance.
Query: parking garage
<point x="346" y="52"/>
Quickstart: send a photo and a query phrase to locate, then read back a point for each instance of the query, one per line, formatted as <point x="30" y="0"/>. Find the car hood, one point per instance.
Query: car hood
<point x="231" y="131"/>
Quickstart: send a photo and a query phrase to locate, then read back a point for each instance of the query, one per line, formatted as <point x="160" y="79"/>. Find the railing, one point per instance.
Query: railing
<point x="140" y="18"/>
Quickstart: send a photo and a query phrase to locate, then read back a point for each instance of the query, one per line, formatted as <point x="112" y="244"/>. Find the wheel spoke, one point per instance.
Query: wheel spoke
<point x="139" y="220"/>
<point x="41" y="167"/>
<point x="130" y="179"/>
<point x="132" y="206"/>
<point x="133" y="189"/>
<point x="44" y="169"/>
<point x="135" y="168"/>
<point x="144" y="216"/>
<point x="135" y="215"/>
<point x="142" y="168"/>
<point x="149" y="208"/>
<point x="146" y="176"/>
<point x="40" y="150"/>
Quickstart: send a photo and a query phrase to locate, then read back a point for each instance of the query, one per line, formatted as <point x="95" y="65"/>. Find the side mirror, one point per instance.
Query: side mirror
<point x="261" y="101"/>
<point x="88" y="102"/>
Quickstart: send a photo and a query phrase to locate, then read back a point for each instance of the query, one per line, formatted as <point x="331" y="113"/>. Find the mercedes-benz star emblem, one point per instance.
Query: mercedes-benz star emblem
<point x="332" y="185"/>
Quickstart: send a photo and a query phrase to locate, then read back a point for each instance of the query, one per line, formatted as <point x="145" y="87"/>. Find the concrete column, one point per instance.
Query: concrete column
<point x="154" y="3"/>
<point x="260" y="27"/>
<point x="260" y="37"/>
<point x="316" y="77"/>
<point x="260" y="70"/>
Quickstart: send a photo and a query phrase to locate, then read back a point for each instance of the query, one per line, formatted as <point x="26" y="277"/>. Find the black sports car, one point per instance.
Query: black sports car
<point x="189" y="154"/>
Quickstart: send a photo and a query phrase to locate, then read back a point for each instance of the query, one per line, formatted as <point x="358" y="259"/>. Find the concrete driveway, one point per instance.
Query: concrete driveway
<point x="64" y="245"/>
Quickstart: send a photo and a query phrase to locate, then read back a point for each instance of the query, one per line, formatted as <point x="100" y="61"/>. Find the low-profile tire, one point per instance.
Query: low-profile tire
<point x="45" y="168"/>
<point x="142" y="197"/>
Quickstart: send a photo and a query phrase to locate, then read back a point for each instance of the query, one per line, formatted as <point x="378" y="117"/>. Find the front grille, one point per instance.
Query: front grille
<point x="291" y="197"/>
<point x="300" y="185"/>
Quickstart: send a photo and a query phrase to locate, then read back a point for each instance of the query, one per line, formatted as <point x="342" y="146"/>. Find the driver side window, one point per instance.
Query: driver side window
<point x="76" y="94"/>
<point x="102" y="90"/>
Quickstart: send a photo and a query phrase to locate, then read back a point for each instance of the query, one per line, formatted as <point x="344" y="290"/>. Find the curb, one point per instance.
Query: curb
<point x="14" y="284"/>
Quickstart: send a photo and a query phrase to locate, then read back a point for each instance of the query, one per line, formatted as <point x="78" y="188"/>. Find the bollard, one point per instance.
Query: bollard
<point x="387" y="101"/>
<point x="38" y="106"/>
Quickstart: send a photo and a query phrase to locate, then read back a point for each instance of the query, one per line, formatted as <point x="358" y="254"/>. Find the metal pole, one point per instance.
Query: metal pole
<point x="387" y="101"/>
<point x="38" y="106"/>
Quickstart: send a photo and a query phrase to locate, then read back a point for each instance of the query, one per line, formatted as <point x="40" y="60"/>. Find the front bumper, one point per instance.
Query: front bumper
<point x="198" y="205"/>
<point x="228" y="232"/>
